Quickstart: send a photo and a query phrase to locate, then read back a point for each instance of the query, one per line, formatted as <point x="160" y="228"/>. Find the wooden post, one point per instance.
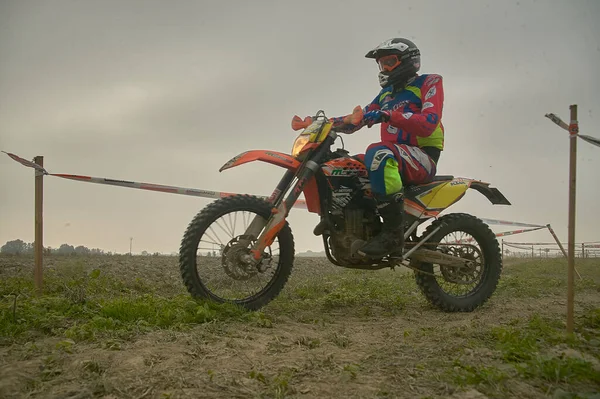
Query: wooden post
<point x="561" y="247"/>
<point x="39" y="225"/>
<point x="573" y="130"/>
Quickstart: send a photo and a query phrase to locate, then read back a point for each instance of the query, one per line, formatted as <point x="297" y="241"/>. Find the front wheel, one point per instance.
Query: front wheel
<point x="213" y="257"/>
<point x="466" y="288"/>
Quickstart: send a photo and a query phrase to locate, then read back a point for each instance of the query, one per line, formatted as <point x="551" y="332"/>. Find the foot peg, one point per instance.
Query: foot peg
<point x="320" y="228"/>
<point x="355" y="246"/>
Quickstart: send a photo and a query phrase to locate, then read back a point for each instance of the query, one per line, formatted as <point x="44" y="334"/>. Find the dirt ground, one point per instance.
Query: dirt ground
<point x="304" y="348"/>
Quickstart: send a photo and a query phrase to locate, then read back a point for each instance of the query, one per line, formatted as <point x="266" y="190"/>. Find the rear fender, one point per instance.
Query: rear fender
<point x="443" y="194"/>
<point x="491" y="193"/>
<point x="272" y="157"/>
<point x="446" y="194"/>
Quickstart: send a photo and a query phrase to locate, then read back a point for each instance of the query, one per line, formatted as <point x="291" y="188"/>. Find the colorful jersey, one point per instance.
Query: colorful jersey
<point x="416" y="113"/>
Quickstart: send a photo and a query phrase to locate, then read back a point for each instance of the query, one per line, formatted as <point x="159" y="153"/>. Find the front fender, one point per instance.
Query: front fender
<point x="272" y="157"/>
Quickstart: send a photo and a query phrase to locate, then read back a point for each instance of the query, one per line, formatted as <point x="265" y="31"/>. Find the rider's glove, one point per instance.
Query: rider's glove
<point x="337" y="120"/>
<point x="377" y="116"/>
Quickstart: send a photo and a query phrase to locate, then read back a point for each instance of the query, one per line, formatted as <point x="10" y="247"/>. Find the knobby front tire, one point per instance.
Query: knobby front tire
<point x="200" y="224"/>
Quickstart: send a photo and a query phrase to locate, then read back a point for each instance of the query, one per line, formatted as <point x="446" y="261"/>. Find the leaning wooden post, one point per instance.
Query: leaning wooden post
<point x="39" y="224"/>
<point x="562" y="248"/>
<point x="573" y="130"/>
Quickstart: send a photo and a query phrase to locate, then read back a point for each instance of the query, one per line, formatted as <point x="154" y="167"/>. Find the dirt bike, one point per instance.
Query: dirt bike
<point x="336" y="187"/>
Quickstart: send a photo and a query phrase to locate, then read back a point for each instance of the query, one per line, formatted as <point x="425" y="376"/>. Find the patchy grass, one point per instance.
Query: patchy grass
<point x="534" y="350"/>
<point x="125" y="327"/>
<point x="351" y="293"/>
<point x="86" y="305"/>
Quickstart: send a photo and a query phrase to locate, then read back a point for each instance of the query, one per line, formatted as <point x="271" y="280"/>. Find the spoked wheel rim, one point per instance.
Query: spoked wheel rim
<point x="460" y="281"/>
<point x="230" y="276"/>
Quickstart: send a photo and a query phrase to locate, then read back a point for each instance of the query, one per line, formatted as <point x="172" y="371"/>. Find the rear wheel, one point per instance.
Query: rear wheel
<point x="213" y="256"/>
<point x="465" y="288"/>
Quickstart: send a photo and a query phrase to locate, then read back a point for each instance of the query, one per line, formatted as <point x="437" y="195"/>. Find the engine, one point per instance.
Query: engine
<point x="354" y="228"/>
<point x="350" y="211"/>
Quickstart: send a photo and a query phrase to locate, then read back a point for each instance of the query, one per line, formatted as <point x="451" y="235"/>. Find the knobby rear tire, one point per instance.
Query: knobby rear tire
<point x="492" y="267"/>
<point x="195" y="231"/>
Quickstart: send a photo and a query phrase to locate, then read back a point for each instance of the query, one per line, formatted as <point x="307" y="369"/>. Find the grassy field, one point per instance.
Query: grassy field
<point x="124" y="327"/>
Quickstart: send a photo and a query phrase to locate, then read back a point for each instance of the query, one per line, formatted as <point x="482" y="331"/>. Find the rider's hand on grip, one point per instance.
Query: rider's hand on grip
<point x="377" y="116"/>
<point x="352" y="119"/>
<point x="355" y="117"/>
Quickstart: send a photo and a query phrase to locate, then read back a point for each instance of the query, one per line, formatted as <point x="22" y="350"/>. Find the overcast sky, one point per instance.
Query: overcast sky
<point x="166" y="92"/>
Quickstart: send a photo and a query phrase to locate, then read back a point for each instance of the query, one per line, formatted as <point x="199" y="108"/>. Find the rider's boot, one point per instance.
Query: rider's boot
<point x="391" y="238"/>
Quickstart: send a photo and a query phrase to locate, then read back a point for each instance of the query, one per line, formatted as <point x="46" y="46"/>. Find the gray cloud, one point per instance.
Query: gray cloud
<point x="162" y="93"/>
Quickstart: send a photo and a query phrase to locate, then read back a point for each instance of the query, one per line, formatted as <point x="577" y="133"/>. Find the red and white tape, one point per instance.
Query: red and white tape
<point x="502" y="234"/>
<point x="518" y="247"/>
<point x="132" y="184"/>
<point x="212" y="194"/>
<point x="509" y="223"/>
<point x="589" y="139"/>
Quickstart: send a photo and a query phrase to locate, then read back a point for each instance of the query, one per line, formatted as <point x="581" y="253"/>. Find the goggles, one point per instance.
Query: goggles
<point x="388" y="62"/>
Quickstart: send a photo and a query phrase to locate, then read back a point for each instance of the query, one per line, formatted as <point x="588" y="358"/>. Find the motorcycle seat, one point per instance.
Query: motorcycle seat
<point x="443" y="177"/>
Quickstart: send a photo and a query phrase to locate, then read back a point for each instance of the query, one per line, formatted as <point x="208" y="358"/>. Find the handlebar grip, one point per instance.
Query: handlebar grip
<point x="355" y="117"/>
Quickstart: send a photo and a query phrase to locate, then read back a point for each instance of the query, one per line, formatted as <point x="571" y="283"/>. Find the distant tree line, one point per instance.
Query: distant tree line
<point x="19" y="247"/>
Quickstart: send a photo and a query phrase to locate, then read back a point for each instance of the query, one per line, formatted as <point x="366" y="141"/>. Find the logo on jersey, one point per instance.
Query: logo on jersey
<point x="392" y="129"/>
<point x="401" y="104"/>
<point x="431" y="80"/>
<point x="386" y="100"/>
<point x="430" y="93"/>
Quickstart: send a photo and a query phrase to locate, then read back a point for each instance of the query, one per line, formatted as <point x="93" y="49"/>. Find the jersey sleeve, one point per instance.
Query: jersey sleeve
<point x="423" y="123"/>
<point x="373" y="105"/>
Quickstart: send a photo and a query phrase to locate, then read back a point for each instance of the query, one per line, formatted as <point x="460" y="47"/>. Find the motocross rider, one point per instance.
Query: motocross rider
<point x="409" y="109"/>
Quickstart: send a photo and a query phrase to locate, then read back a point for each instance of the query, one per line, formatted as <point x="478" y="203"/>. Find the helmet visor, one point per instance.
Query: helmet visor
<point x="388" y="62"/>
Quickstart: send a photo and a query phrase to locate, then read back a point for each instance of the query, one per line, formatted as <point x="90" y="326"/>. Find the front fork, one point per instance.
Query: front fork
<point x="268" y="229"/>
<point x="258" y="222"/>
<point x="281" y="208"/>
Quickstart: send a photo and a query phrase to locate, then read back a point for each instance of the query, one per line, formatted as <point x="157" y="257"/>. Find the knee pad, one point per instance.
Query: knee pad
<point x="376" y="158"/>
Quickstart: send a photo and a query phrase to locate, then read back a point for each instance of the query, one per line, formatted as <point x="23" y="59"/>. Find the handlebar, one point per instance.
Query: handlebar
<point x="354" y="118"/>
